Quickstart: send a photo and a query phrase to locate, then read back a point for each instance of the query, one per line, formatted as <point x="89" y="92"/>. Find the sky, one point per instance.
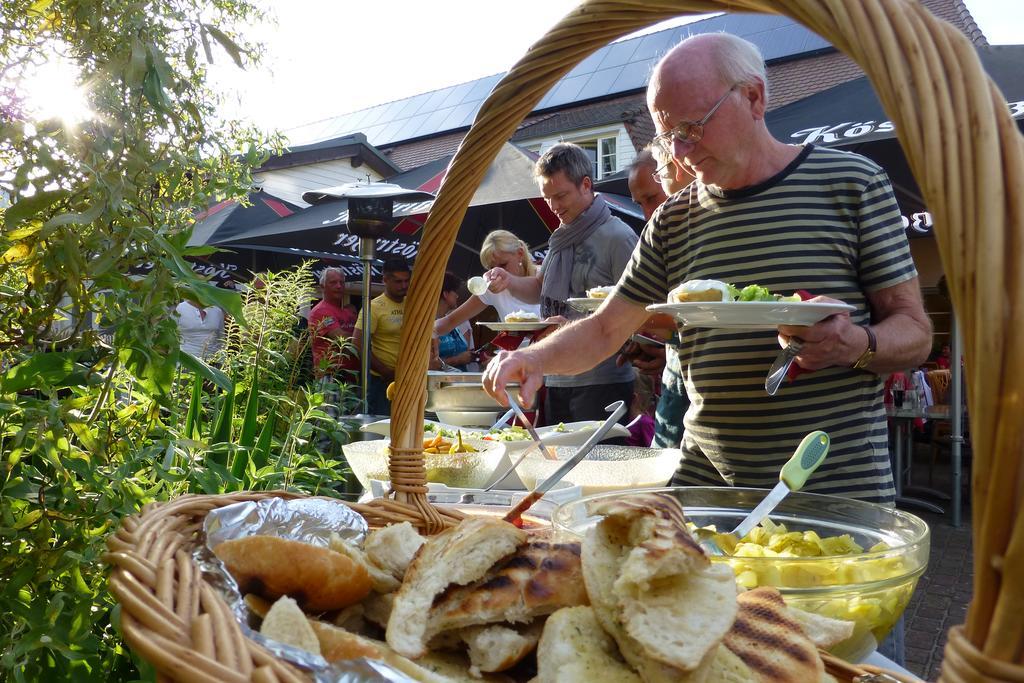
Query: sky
<point x="330" y="57"/>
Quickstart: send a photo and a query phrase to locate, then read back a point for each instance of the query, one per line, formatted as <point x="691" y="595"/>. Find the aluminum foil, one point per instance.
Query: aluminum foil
<point x="311" y="520"/>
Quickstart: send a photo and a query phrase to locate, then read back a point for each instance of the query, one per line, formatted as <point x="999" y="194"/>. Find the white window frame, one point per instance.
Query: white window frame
<point x="597" y="137"/>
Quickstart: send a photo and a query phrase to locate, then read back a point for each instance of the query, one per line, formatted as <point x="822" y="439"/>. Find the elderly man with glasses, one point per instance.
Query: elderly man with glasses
<point x="789" y="218"/>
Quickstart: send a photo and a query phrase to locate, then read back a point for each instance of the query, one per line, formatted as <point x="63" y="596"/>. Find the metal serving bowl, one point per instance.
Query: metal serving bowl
<point x="871" y="588"/>
<point x="458" y="398"/>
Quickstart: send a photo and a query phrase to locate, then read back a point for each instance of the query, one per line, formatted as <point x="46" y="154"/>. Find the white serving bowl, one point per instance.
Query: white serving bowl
<point x="369" y="460"/>
<point x="607" y="468"/>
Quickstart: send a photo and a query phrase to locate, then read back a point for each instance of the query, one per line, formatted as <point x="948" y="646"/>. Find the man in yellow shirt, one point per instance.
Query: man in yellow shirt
<point x="386" y="314"/>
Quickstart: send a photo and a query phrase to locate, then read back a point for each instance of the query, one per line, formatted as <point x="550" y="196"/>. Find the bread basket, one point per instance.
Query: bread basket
<point x="967" y="157"/>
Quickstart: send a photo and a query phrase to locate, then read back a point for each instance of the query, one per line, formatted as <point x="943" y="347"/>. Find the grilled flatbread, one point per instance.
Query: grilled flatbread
<point x="538" y="579"/>
<point x="767" y="638"/>
<point x="574" y="647"/>
<point x="824" y="632"/>
<point x="496" y="647"/>
<point x="604" y="549"/>
<point x="337" y="644"/>
<point x="661" y="544"/>
<point x="666" y="594"/>
<point x="459" y="555"/>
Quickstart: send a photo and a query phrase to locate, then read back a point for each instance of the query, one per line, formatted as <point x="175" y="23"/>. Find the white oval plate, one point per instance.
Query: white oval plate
<point x="748" y="315"/>
<point x="515" y="327"/>
<point x="585" y="304"/>
<point x="575" y="433"/>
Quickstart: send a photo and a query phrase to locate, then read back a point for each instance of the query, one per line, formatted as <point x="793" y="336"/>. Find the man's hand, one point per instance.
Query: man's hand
<point x="510" y="367"/>
<point x="835" y="341"/>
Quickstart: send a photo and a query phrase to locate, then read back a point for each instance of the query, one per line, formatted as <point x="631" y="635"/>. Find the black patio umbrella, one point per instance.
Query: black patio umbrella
<point x="507" y="198"/>
<point x="228" y="218"/>
<point x="849" y="116"/>
<point x="221" y="221"/>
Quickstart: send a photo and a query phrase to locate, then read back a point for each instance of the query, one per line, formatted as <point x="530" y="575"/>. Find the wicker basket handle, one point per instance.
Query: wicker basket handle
<point x="968" y="159"/>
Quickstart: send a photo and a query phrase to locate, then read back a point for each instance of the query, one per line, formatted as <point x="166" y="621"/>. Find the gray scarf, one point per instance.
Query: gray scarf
<point x="561" y="255"/>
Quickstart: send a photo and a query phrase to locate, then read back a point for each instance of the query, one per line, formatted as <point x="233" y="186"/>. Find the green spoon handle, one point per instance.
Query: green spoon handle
<point x="808" y="455"/>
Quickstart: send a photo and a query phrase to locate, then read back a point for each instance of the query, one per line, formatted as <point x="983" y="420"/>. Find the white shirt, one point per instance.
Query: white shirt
<point x="202" y="329"/>
<point x="505" y="303"/>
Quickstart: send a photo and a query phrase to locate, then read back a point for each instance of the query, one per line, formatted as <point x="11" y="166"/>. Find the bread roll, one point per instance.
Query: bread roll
<point x="700" y="290"/>
<point x="381" y="580"/>
<point x="319" y="579"/>
<point x="522" y="317"/>
<point x="337" y="644"/>
<point x="287" y="624"/>
<point x="393" y="547"/>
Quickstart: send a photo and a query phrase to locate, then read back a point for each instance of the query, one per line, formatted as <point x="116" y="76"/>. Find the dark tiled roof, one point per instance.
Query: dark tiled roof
<point x="618" y="68"/>
<point x="816" y="68"/>
<point x="588" y="116"/>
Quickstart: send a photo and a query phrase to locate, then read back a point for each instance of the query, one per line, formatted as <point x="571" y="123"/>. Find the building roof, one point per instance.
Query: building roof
<point x="619" y="68"/>
<point x="353" y="146"/>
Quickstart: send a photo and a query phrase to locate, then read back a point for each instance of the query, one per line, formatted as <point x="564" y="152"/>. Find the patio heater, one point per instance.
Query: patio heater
<point x="370" y="217"/>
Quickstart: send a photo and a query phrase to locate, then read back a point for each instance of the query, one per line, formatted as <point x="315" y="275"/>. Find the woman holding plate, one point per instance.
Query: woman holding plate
<point x="502" y="251"/>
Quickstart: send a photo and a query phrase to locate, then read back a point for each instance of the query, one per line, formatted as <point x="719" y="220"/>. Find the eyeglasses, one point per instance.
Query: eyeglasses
<point x="666" y="172"/>
<point x="689" y="131"/>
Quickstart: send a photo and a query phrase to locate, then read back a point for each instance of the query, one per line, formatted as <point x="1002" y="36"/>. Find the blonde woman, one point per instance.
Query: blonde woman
<point x="501" y="251"/>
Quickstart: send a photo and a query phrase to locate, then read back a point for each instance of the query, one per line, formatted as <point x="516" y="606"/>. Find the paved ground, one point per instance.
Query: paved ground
<point x="942" y="594"/>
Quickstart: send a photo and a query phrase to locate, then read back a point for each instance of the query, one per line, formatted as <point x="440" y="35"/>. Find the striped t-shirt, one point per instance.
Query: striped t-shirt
<point x="829" y="224"/>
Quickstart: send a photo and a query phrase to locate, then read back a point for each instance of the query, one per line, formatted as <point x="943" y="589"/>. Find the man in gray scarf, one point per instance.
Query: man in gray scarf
<point x="590" y="248"/>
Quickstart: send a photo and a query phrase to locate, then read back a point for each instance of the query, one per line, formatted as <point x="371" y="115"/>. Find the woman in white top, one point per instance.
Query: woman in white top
<point x="501" y="250"/>
<point x="202" y="329"/>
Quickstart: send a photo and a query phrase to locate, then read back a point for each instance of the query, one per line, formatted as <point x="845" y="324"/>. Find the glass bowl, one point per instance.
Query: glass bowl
<point x="369" y="460"/>
<point x="870" y="589"/>
<point x="606" y="468"/>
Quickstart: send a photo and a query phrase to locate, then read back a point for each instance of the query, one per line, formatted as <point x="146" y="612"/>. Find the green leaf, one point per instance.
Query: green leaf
<point x="199" y="367"/>
<point x="261" y="453"/>
<point x="136" y="70"/>
<point x="222" y="430"/>
<point x="28" y="520"/>
<point x="247" y="437"/>
<point x="226" y="43"/>
<point x="194" y="405"/>
<point x="27" y="207"/>
<point x="240" y="463"/>
<point x="39" y="371"/>
<point x="153" y="90"/>
<point x="84" y="218"/>
<point x="212" y="295"/>
<point x="40" y="7"/>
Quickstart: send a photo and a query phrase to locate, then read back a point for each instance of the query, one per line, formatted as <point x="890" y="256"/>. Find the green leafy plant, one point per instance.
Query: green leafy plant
<point x="100" y="413"/>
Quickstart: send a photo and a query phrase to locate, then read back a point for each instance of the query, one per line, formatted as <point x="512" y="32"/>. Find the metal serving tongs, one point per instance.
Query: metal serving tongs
<point x="617" y="410"/>
<point x="517" y="410"/>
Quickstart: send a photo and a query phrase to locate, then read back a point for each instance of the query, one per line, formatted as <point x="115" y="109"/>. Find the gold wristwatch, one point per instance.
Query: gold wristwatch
<point x="869" y="353"/>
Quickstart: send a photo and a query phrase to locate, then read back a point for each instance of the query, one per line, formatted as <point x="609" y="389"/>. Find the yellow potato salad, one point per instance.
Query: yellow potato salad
<point x="806" y="560"/>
